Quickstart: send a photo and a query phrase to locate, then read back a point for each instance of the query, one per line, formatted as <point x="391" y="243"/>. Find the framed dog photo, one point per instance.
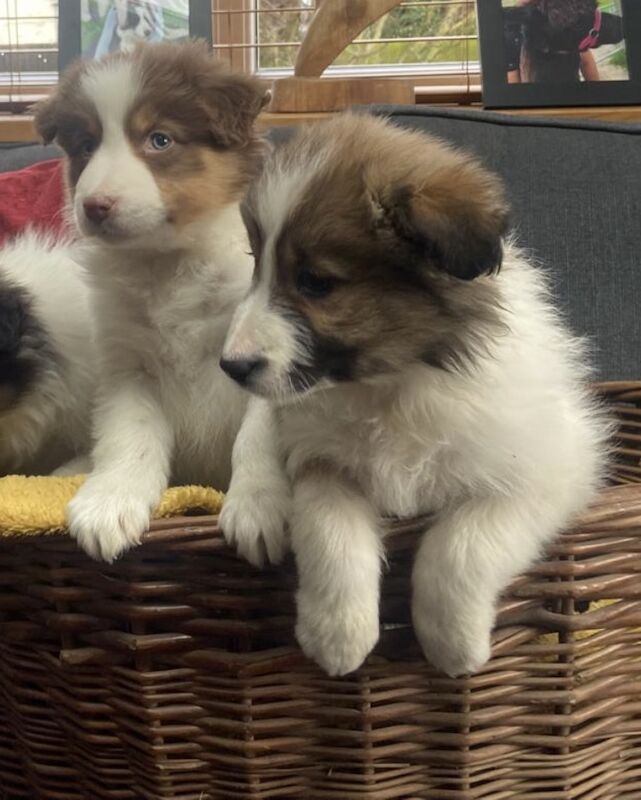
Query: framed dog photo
<point x="537" y="53"/>
<point x="93" y="28"/>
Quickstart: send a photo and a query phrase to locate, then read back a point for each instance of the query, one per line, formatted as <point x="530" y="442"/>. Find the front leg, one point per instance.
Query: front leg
<point x="131" y="461"/>
<point x="336" y="541"/>
<point x="258" y="504"/>
<point x="463" y="564"/>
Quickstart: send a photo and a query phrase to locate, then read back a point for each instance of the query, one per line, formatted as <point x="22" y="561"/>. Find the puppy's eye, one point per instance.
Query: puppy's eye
<point x="314" y="286"/>
<point x="158" y="141"/>
<point x="88" y="147"/>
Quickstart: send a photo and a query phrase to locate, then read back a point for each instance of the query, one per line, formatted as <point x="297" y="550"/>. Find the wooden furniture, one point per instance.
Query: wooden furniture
<point x="334" y="26"/>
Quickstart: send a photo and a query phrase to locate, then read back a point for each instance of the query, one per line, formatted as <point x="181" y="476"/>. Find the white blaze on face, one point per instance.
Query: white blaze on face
<point x="261" y="330"/>
<point x="114" y="170"/>
<point x="243" y="338"/>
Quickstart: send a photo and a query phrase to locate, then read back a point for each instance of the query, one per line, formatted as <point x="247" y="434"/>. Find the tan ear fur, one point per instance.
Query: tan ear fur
<point x="454" y="217"/>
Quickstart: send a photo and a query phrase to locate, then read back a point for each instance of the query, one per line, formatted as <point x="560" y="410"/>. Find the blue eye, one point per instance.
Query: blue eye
<point x="314" y="286"/>
<point x="160" y="141"/>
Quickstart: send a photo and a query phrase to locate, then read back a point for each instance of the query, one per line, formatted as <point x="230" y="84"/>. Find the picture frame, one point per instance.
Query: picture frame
<point x="499" y="36"/>
<point x="84" y="26"/>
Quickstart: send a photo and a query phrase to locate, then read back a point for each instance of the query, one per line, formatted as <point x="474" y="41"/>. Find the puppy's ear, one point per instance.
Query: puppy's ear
<point x="45" y="119"/>
<point x="48" y="112"/>
<point x="451" y="218"/>
<point x="232" y="102"/>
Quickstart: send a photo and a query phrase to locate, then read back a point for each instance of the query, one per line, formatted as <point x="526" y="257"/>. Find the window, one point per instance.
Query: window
<point x="434" y="41"/>
<point x="28" y="49"/>
<point x="418" y="34"/>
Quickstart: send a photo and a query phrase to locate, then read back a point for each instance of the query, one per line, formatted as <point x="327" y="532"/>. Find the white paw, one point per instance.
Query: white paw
<point x="455" y="643"/>
<point x="254" y="519"/>
<point x="337" y="636"/>
<point x="107" y="519"/>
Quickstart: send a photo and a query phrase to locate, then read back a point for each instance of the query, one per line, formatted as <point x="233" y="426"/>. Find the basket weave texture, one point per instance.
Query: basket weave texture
<point x="174" y="674"/>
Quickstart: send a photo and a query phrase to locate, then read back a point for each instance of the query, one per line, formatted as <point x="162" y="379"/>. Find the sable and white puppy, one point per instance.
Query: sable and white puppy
<point x="46" y="357"/>
<point x="411" y="376"/>
<point x="160" y="147"/>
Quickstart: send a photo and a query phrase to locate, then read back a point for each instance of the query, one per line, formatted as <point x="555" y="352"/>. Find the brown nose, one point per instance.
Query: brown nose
<point x="98" y="208"/>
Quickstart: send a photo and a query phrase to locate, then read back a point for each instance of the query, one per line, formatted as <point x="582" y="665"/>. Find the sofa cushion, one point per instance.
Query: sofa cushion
<point x="17" y="156"/>
<point x="32" y="197"/>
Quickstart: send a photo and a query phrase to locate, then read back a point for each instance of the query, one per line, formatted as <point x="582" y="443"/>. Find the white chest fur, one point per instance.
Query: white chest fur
<point x="167" y="320"/>
<point x="393" y="441"/>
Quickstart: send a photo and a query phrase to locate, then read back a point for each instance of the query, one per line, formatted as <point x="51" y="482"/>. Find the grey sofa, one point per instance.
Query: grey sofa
<point x="575" y="188"/>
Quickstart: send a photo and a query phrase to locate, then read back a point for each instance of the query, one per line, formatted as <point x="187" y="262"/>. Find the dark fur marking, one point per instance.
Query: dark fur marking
<point x="25" y="349"/>
<point x="458" y="248"/>
<point x="329" y="357"/>
<point x="334" y="358"/>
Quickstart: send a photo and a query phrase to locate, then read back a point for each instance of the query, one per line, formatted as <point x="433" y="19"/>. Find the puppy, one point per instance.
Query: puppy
<point x="46" y="358"/>
<point x="556" y="32"/>
<point x="160" y="147"/>
<point x="410" y="376"/>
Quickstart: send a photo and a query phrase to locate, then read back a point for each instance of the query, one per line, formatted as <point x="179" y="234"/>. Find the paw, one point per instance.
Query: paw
<point x="456" y="644"/>
<point x="338" y="637"/>
<point x="254" y="519"/>
<point x="107" y="520"/>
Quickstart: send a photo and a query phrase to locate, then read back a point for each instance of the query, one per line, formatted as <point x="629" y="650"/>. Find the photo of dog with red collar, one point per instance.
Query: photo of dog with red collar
<point x="564" y="41"/>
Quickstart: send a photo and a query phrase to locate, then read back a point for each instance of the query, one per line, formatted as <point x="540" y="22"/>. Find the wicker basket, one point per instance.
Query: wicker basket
<point x="173" y="674"/>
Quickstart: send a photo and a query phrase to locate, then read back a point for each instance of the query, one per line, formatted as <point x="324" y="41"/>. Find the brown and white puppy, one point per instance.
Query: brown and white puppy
<point x="160" y="147"/>
<point x="410" y="376"/>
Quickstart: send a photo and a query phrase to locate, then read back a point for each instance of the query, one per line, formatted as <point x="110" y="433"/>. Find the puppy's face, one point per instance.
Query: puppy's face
<point x="370" y="246"/>
<point x="155" y="141"/>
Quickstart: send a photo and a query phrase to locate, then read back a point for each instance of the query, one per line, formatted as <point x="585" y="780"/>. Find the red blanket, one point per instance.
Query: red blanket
<point x="33" y="197"/>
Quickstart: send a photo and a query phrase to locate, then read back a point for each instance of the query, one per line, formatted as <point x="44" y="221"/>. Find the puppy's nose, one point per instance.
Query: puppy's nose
<point x="242" y="369"/>
<point x="98" y="208"/>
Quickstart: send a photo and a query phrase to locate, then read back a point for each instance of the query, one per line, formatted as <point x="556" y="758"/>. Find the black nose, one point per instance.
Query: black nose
<point x="242" y="369"/>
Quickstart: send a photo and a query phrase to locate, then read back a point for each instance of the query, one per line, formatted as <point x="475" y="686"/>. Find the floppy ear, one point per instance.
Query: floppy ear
<point x="47" y="112"/>
<point x="232" y="102"/>
<point x="45" y="119"/>
<point x="452" y="219"/>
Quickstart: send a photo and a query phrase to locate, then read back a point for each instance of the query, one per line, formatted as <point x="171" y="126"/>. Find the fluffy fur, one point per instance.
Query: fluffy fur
<point x="409" y="376"/>
<point x="160" y="145"/>
<point x="46" y="357"/>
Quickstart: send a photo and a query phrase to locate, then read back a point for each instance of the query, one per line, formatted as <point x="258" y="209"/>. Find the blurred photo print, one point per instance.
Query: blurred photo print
<point x="561" y="41"/>
<point x="117" y="25"/>
<point x="560" y="52"/>
<point x="95" y="28"/>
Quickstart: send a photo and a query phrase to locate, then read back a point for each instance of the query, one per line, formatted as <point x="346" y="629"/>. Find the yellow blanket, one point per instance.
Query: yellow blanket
<point x="31" y="506"/>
